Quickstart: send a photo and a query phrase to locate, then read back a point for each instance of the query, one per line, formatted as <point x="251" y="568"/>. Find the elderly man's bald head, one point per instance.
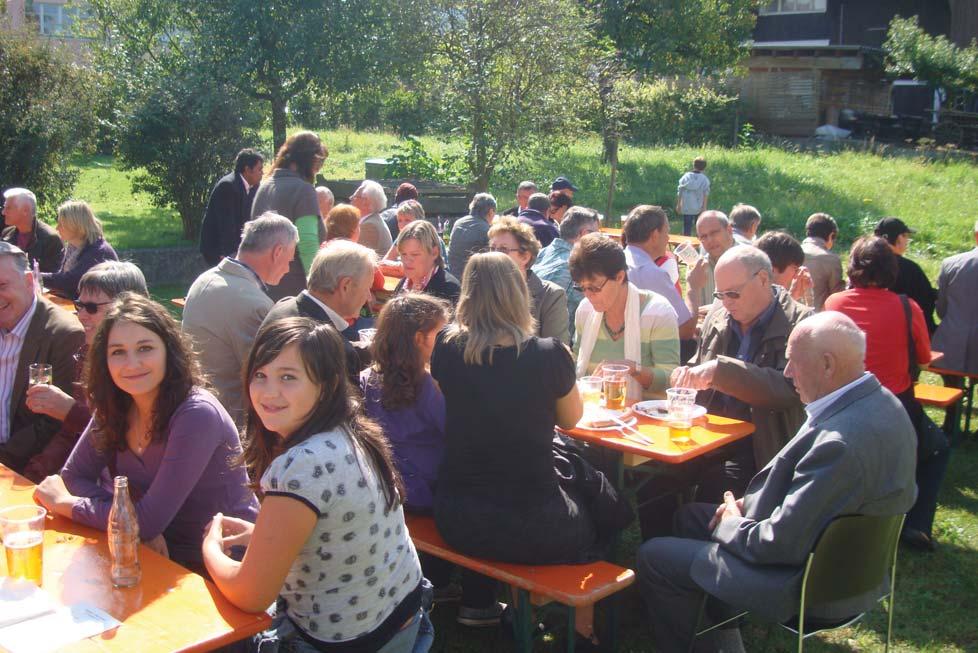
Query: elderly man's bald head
<point x="825" y="352"/>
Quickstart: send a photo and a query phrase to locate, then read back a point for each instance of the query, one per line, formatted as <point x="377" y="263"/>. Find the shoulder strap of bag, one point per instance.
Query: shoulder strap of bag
<point x="911" y="350"/>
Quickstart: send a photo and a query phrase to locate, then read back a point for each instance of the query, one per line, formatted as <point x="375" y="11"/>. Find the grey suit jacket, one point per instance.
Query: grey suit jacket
<point x="225" y="306"/>
<point x="375" y="234"/>
<point x="957" y="334"/>
<point x="857" y="457"/>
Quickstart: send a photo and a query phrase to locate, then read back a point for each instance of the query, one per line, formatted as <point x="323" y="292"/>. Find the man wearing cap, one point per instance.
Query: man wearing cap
<point x="523" y="192"/>
<point x="404" y="193"/>
<point x="563" y="185"/>
<point x="535" y="215"/>
<point x="911" y="280"/>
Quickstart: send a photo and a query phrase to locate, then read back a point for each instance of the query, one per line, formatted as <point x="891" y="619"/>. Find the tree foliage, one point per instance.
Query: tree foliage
<point x="510" y="73"/>
<point x="673" y="37"/>
<point x="912" y="51"/>
<point x="46" y="112"/>
<point x="181" y="135"/>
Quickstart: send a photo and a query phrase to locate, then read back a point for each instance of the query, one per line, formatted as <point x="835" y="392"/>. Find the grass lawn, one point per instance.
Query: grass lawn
<point x="858" y="189"/>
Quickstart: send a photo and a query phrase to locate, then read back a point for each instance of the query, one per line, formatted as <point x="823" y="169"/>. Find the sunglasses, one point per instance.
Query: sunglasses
<point x="735" y="294"/>
<point x="89" y="307"/>
<point x="505" y="250"/>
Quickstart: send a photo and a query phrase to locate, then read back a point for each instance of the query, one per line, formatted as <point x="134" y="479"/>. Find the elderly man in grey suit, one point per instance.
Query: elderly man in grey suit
<point x="957" y="334"/>
<point x="855" y="454"/>
<point x="226" y="304"/>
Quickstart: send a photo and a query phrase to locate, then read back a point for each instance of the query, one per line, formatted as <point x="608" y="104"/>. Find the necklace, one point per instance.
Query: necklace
<point x="613" y="333"/>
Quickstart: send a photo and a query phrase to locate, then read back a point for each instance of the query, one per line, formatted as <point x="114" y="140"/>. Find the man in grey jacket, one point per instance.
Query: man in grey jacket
<point x="855" y="454"/>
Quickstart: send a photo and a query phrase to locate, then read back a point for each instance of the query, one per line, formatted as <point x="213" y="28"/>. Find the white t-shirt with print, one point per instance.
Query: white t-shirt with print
<point x="359" y="561"/>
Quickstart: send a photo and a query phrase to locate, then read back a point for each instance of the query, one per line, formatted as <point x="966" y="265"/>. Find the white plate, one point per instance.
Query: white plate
<point x="625" y="416"/>
<point x="658" y="409"/>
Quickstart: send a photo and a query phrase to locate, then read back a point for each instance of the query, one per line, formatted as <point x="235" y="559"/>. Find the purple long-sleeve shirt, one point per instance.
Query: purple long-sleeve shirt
<point x="180" y="481"/>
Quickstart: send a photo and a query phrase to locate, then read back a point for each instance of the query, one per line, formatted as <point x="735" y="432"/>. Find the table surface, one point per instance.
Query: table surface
<point x="709" y="432"/>
<point x="171" y="609"/>
<point x="674" y="239"/>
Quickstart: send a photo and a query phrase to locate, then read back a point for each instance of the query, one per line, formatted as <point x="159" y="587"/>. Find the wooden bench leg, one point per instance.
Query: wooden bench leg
<point x="523" y="621"/>
<point x="612" y="622"/>
<point x="571" y="629"/>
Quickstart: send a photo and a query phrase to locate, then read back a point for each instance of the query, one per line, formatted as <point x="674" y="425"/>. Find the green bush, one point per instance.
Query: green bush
<point x="667" y="113"/>
<point x="181" y="135"/>
<point x="47" y="112"/>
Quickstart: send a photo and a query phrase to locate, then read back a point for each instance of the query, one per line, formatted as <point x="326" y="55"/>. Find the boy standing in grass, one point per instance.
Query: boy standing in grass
<point x="693" y="191"/>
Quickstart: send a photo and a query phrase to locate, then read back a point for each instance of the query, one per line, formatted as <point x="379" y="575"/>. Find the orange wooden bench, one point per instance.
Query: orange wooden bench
<point x="573" y="586"/>
<point x="968" y="381"/>
<point x="939" y="396"/>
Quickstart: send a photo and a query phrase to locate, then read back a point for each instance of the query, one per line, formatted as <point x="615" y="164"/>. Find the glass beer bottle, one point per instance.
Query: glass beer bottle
<point x="123" y="537"/>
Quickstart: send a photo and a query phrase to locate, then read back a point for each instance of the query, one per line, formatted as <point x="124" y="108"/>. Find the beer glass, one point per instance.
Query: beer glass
<point x="590" y="387"/>
<point x="22" y="529"/>
<point x="614" y="384"/>
<point x="687" y="254"/>
<point x="40" y="373"/>
<point x="367" y="335"/>
<point x="680" y="403"/>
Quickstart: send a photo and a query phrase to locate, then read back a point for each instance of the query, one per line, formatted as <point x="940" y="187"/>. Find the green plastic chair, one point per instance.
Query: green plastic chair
<point x="852" y="556"/>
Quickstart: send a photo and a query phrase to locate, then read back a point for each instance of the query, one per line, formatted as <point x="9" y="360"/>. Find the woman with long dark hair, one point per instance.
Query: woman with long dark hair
<point x="330" y="540"/>
<point x="153" y="422"/>
<point x="288" y="190"/>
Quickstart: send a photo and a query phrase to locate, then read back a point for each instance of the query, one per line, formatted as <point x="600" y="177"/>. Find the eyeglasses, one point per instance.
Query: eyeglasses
<point x="505" y="250"/>
<point x="89" y="307"/>
<point x="592" y="290"/>
<point x="735" y="294"/>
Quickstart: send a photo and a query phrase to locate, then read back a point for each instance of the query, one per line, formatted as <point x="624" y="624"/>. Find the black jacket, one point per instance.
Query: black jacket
<point x="44" y="246"/>
<point x="912" y="282"/>
<point x="228" y="208"/>
<point x="442" y="284"/>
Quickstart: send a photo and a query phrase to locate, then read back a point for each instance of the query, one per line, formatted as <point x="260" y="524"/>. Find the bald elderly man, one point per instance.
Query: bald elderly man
<point x="855" y="454"/>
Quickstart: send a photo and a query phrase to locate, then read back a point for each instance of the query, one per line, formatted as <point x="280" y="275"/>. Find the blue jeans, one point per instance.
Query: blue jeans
<point x="283" y="637"/>
<point x="416" y="637"/>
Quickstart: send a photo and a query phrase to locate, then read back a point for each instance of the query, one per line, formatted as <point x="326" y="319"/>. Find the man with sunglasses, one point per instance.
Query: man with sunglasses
<point x="738" y="370"/>
<point x="32" y="330"/>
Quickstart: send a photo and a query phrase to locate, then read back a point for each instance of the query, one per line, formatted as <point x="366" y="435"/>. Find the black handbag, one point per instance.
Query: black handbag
<point x="931" y="438"/>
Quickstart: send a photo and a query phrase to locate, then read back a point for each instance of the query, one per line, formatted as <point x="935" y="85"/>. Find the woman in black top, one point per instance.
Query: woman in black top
<point x="498" y="494"/>
<point x="424" y="269"/>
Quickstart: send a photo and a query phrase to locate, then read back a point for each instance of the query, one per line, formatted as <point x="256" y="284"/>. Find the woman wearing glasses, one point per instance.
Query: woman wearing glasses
<point x="153" y="422"/>
<point x="96" y="290"/>
<point x="424" y="267"/>
<point x="548" y="300"/>
<point x="84" y="247"/>
<point x="618" y="323"/>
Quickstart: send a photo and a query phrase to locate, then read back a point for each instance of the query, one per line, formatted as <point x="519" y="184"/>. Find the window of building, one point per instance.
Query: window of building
<point x="793" y="7"/>
<point x="55" y="19"/>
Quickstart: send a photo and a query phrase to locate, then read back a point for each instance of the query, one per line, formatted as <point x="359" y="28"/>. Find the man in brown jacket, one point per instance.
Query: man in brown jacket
<point x="32" y="330"/>
<point x="823" y="264"/>
<point x="740" y="364"/>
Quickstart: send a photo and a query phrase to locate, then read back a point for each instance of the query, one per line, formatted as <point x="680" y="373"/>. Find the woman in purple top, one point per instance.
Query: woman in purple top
<point x="153" y="423"/>
<point x="85" y="247"/>
<point x="400" y="394"/>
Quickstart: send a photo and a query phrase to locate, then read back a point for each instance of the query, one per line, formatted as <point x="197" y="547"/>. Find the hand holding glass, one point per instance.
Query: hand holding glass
<point x="686" y="253"/>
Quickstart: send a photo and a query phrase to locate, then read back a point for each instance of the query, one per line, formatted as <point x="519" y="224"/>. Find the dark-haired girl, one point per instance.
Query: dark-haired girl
<point x="400" y="394"/>
<point x="330" y="541"/>
<point x="153" y="422"/>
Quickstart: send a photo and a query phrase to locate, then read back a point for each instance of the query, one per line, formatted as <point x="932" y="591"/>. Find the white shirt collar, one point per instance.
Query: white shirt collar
<point x="818" y="406"/>
<point x="246" y="184"/>
<point x="338" y="321"/>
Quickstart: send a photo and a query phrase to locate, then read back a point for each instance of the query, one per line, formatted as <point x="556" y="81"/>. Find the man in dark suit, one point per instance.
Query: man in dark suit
<point x="855" y="454"/>
<point x="337" y="288"/>
<point x="229" y="207"/>
<point x="39" y="241"/>
<point x="32" y="330"/>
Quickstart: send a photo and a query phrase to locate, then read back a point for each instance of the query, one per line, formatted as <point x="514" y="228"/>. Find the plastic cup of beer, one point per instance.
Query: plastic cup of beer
<point x="40" y="373"/>
<point x="22" y="529"/>
<point x="614" y="384"/>
<point x="367" y="335"/>
<point x="687" y="254"/>
<point x="590" y="388"/>
<point x="680" y="403"/>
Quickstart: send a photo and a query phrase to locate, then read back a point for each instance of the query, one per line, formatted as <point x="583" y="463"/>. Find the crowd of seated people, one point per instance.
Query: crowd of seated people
<point x="274" y="447"/>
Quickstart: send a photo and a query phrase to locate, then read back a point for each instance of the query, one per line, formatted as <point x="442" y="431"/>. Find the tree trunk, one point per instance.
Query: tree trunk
<point x="278" y="121"/>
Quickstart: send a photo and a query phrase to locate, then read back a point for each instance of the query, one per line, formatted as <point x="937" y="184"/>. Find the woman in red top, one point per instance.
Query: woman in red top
<point x="880" y="313"/>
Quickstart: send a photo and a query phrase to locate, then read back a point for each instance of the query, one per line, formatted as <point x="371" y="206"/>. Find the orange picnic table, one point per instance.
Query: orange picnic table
<point x="652" y="443"/>
<point x="171" y="609"/>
